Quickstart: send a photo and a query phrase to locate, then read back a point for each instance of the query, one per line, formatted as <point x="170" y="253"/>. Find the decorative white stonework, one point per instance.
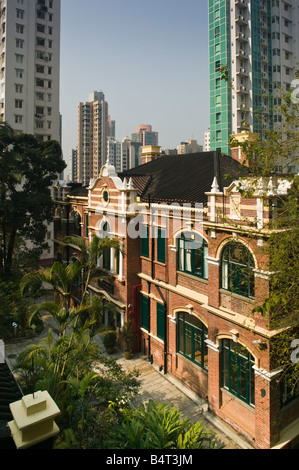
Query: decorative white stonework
<point x="215" y="186"/>
<point x="172" y="319"/>
<point x="212" y="345"/>
<point x="214" y="261"/>
<point x="262" y="274"/>
<point x="33" y="419"/>
<point x="266" y="374"/>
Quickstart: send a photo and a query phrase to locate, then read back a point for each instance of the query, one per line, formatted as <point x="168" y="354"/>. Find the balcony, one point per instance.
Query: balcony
<point x="243" y="89"/>
<point x="242" y="54"/>
<point x="264" y="76"/>
<point x="107" y="284"/>
<point x="241" y="37"/>
<point x="241" y="20"/>
<point x="242" y="107"/>
<point x="242" y="72"/>
<point x="264" y="42"/>
<point x="241" y="3"/>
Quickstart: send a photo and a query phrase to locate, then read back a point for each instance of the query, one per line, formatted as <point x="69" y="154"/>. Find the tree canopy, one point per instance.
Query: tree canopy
<point x="28" y="169"/>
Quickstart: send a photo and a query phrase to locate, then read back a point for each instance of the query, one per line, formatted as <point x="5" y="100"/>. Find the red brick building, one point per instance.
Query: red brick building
<point x="194" y="265"/>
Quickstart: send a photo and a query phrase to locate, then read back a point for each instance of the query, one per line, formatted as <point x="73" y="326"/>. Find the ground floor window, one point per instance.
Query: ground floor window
<point x="191" y="336"/>
<point x="144" y="312"/>
<point x="160" y="321"/>
<point x="237" y="371"/>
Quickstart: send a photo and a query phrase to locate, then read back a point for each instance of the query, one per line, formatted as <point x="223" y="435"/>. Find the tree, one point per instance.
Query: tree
<point x="88" y="256"/>
<point x="159" y="426"/>
<point x="270" y="157"/>
<point x="63" y="278"/>
<point x="28" y="169"/>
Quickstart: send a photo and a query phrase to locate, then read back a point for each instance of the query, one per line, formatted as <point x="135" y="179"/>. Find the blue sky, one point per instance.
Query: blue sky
<point x="150" y="58"/>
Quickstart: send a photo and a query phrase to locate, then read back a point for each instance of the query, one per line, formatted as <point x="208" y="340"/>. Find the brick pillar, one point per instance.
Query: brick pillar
<point x="214" y="282"/>
<point x="213" y="376"/>
<point x="267" y="410"/>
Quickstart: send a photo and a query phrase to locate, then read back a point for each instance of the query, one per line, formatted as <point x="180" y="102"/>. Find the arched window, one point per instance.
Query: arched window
<point x="76" y="221"/>
<point x="237" y="372"/>
<point x="191" y="336"/>
<point x="237" y="265"/>
<point x="192" y="252"/>
<point x="106" y="258"/>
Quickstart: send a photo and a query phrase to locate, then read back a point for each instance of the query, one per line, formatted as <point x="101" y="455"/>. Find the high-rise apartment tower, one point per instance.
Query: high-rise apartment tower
<point x="93" y="130"/>
<point x="254" y="45"/>
<point x="145" y="135"/>
<point x="30" y="67"/>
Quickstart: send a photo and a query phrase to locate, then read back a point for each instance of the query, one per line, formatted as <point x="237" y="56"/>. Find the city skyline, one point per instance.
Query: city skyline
<point x="153" y="67"/>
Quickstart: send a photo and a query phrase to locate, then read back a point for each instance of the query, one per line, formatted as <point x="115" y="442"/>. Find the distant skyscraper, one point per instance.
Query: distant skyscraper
<point x="130" y="155"/>
<point x="30" y="67"/>
<point x="257" y="40"/>
<point x="111" y="127"/>
<point x="189" y="146"/>
<point x="207" y="141"/>
<point x="74" y="166"/>
<point x="93" y="128"/>
<point x="114" y="151"/>
<point x="145" y="135"/>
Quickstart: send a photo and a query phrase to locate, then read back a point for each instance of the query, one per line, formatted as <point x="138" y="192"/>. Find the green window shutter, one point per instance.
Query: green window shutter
<point x="86" y="225"/>
<point x="145" y="244"/>
<point x="106" y="259"/>
<point x="144" y="312"/>
<point x="160" y="321"/>
<point x="161" y="246"/>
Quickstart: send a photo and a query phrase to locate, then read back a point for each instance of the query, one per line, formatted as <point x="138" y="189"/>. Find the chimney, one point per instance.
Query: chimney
<point x="237" y="150"/>
<point x="150" y="153"/>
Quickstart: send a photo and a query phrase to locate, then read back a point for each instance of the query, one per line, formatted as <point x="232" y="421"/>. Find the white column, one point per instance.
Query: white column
<point x="121" y="263"/>
<point x="112" y="260"/>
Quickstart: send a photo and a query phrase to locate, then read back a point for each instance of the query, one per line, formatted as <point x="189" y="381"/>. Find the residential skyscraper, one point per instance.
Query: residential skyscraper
<point x="93" y="129"/>
<point x="255" y="44"/>
<point x="73" y="165"/>
<point x="130" y="155"/>
<point x="207" y="140"/>
<point x="189" y="146"/>
<point x="145" y="135"/>
<point x="30" y="67"/>
<point x="30" y="74"/>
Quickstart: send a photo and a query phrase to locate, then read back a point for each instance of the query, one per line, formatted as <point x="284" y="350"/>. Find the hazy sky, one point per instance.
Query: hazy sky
<point x="150" y="58"/>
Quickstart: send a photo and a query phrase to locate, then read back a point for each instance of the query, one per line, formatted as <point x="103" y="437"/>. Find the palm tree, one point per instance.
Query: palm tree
<point x="59" y="276"/>
<point x="89" y="255"/>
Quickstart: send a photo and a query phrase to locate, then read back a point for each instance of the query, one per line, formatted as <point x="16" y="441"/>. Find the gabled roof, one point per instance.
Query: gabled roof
<point x="183" y="178"/>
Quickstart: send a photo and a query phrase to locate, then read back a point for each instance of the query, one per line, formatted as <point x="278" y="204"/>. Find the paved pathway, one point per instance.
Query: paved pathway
<point x="157" y="386"/>
<point x="165" y="389"/>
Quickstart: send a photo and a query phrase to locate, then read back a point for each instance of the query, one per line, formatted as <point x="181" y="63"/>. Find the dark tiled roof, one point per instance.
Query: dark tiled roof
<point x="78" y="190"/>
<point x="183" y="178"/>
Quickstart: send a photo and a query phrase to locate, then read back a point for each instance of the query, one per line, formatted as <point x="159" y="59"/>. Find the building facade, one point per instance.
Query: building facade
<point x="130" y="155"/>
<point x="30" y="73"/>
<point x="254" y="45"/>
<point x="189" y="146"/>
<point x="145" y="135"/>
<point x="193" y="266"/>
<point x="30" y="67"/>
<point x="207" y="141"/>
<point x="93" y="130"/>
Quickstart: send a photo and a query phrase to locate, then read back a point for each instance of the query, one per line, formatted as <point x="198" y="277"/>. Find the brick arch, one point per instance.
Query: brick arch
<point x="243" y="342"/>
<point x="177" y="234"/>
<point x="228" y="240"/>
<point x="192" y="314"/>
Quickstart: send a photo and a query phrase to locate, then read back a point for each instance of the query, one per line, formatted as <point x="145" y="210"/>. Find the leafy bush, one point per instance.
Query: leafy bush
<point x="109" y="340"/>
